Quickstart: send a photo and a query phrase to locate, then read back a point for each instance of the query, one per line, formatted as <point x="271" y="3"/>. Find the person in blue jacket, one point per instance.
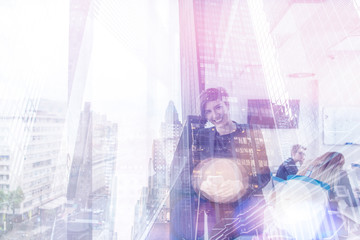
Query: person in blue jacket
<point x="289" y="167"/>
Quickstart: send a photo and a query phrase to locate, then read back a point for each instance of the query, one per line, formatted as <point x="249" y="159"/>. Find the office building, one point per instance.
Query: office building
<point x="32" y="157"/>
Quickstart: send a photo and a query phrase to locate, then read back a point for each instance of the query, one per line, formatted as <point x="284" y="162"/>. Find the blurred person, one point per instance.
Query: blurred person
<point x="230" y="169"/>
<point x="289" y="167"/>
<point x="306" y="206"/>
<point x="328" y="168"/>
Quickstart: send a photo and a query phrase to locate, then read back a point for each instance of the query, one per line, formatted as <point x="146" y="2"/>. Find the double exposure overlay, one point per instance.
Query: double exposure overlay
<point x="179" y="120"/>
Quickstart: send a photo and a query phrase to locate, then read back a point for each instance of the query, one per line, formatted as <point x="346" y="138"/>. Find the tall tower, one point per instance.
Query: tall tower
<point x="156" y="195"/>
<point x="218" y="48"/>
<point x="170" y="132"/>
<point x="91" y="173"/>
<point x="163" y="154"/>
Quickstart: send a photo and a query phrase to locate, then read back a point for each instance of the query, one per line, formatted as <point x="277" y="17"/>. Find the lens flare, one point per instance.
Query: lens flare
<point x="220" y="180"/>
<point x="299" y="208"/>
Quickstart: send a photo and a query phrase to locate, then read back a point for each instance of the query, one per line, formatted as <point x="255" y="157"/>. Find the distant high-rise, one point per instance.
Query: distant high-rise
<point x="164" y="147"/>
<point x="218" y="48"/>
<point x="163" y="154"/>
<point x="170" y="133"/>
<point x="92" y="171"/>
<point x="157" y="193"/>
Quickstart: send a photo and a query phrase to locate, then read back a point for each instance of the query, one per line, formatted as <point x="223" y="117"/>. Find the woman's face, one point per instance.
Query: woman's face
<point x="217" y="112"/>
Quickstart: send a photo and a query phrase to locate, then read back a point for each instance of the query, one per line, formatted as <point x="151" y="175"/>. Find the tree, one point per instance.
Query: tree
<point x="3" y="199"/>
<point x="3" y="203"/>
<point x="15" y="198"/>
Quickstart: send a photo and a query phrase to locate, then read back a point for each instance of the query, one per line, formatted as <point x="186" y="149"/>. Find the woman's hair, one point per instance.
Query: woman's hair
<point x="325" y="168"/>
<point x="212" y="94"/>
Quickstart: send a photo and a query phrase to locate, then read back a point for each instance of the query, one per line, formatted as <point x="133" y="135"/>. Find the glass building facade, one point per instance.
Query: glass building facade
<point x="85" y="150"/>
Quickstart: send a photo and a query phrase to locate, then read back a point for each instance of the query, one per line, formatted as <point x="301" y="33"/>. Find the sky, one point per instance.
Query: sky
<point x="33" y="38"/>
<point x="133" y="73"/>
<point x="130" y="82"/>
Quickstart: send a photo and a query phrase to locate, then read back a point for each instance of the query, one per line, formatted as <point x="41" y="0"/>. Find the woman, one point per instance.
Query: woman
<point x="305" y="206"/>
<point x="326" y="168"/>
<point x="230" y="167"/>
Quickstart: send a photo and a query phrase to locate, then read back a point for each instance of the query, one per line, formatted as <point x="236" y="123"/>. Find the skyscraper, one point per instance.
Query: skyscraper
<point x="156" y="195"/>
<point x="91" y="173"/>
<point x="218" y="48"/>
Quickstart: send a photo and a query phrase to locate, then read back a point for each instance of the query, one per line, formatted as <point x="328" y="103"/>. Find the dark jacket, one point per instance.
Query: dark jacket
<point x="286" y="169"/>
<point x="244" y="145"/>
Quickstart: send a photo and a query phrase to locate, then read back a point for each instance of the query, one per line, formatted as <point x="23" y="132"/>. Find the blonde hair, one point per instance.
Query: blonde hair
<point x="325" y="168"/>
